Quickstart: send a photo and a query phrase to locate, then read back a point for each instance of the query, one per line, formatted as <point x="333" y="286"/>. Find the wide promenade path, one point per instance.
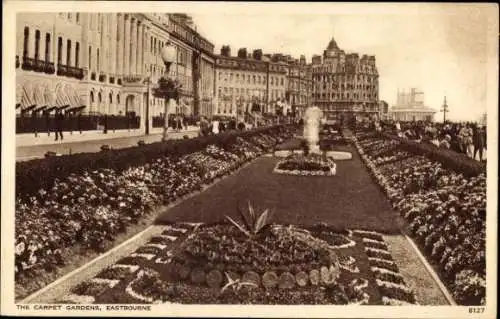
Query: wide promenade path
<point x="24" y="153"/>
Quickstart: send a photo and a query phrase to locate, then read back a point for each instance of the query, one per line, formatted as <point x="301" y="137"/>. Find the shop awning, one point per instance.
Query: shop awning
<point x="76" y="103"/>
<point x="27" y="103"/>
<point x="49" y="98"/>
<point x="19" y="95"/>
<point x="40" y="101"/>
<point x="62" y="100"/>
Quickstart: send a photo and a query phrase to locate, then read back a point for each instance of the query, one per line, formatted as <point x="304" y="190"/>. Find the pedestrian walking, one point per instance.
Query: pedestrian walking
<point x="215" y="127"/>
<point x="445" y="143"/>
<point x="203" y="126"/>
<point x="178" y="124"/>
<point x="34" y="124"/>
<point x="222" y="127"/>
<point x="46" y="115"/>
<point x="59" y="118"/>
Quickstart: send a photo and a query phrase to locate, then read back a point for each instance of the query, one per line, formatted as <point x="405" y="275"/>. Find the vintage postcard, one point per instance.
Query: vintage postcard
<point x="253" y="159"/>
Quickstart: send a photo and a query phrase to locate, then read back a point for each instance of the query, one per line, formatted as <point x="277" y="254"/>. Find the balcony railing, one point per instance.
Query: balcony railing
<point x="132" y="78"/>
<point x="75" y="72"/>
<point x="70" y="71"/>
<point x="49" y="68"/>
<point x="28" y="64"/>
<point x="62" y="70"/>
<point x="36" y="65"/>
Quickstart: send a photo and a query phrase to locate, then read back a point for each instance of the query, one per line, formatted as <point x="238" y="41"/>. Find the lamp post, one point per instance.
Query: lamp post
<point x="168" y="55"/>
<point x="148" y="81"/>
<point x="444" y="109"/>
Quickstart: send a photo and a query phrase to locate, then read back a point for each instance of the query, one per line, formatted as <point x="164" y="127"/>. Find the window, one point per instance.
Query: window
<point x="110" y="98"/>
<point x="151" y="47"/>
<point x="59" y="50"/>
<point x="68" y="53"/>
<point x="91" y="97"/>
<point x="26" y="41"/>
<point x="37" y="44"/>
<point x="69" y="16"/>
<point x="282" y="81"/>
<point x="47" y="47"/>
<point x="97" y="60"/>
<point x="90" y="57"/>
<point x="77" y="54"/>
<point x="77" y="17"/>
<point x="118" y="99"/>
<point x="254" y="79"/>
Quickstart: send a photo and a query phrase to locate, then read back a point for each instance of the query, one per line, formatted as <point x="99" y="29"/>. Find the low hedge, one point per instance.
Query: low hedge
<point x="450" y="159"/>
<point x="40" y="173"/>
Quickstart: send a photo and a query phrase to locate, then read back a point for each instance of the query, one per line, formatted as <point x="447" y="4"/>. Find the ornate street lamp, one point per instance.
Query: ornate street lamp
<point x="168" y="55"/>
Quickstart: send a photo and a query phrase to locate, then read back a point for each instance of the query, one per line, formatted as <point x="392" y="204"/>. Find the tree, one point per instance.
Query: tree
<point x="167" y="89"/>
<point x="255" y="107"/>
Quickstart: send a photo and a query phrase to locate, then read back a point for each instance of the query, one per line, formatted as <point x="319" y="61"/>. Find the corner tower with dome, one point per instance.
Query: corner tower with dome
<point x="345" y="85"/>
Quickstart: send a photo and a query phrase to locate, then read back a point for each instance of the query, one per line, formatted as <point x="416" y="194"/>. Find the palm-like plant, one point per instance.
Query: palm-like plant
<point x="252" y="222"/>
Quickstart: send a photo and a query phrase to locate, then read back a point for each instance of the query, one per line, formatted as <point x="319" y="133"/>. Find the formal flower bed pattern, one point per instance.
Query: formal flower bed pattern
<point x="93" y="208"/>
<point x="446" y="212"/>
<point x="282" y="264"/>
<point x="310" y="165"/>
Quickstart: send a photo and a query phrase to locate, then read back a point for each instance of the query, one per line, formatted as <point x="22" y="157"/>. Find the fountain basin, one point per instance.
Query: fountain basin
<point x="311" y="165"/>
<point x="336" y="155"/>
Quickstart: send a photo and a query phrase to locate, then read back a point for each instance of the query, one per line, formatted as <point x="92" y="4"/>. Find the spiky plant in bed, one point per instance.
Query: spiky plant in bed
<point x="253" y="223"/>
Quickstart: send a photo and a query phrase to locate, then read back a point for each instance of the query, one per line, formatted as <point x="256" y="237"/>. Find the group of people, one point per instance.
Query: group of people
<point x="57" y="126"/>
<point x="211" y="127"/>
<point x="466" y="138"/>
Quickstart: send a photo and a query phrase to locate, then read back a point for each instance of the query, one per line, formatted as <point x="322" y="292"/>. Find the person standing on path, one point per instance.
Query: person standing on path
<point x="479" y="140"/>
<point x="59" y="118"/>
<point x="34" y="123"/>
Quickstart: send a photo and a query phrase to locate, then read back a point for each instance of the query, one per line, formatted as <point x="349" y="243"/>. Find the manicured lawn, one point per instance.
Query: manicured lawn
<point x="348" y="200"/>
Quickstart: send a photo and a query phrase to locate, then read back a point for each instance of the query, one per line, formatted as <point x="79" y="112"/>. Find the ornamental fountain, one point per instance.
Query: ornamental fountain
<point x="313" y="117"/>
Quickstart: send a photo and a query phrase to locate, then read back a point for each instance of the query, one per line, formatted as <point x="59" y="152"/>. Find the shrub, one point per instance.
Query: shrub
<point x="41" y="173"/>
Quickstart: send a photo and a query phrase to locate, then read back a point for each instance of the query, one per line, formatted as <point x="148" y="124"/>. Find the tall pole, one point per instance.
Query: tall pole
<point x="444" y="109"/>
<point x="165" y="118"/>
<point x="147" y="109"/>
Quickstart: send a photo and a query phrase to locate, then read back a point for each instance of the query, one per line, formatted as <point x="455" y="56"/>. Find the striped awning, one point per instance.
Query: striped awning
<point x="49" y="98"/>
<point x="27" y="103"/>
<point x="40" y="100"/>
<point x="62" y="100"/>
<point x="76" y="102"/>
<point x="19" y="95"/>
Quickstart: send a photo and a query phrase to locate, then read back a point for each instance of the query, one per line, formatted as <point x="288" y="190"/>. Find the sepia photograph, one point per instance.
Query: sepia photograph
<point x="331" y="156"/>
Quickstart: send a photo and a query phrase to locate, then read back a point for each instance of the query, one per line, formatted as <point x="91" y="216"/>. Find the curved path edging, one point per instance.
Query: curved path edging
<point x="431" y="271"/>
<point x="61" y="286"/>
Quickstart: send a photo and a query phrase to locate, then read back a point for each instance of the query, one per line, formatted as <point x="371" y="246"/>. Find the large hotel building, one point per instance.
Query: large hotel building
<point x="267" y="80"/>
<point x="345" y="85"/>
<point x="108" y="63"/>
<point x="105" y="63"/>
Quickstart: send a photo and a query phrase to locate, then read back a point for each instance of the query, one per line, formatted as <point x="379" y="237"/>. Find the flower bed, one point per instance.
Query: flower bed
<point x="445" y="209"/>
<point x="92" y="208"/>
<point x="279" y="264"/>
<point x="310" y="165"/>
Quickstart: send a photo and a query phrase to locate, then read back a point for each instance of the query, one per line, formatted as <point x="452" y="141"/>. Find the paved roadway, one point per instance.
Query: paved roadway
<point x="36" y="151"/>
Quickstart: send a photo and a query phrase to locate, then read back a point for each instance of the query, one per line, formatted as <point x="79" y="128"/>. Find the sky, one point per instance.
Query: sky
<point x="443" y="50"/>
